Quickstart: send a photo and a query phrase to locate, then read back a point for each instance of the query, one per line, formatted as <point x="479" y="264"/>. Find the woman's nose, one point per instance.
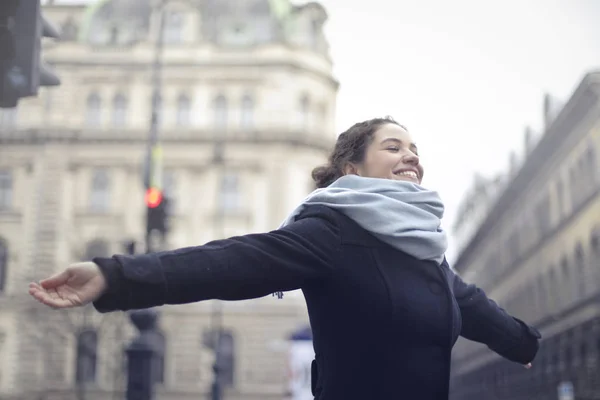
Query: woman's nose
<point x="411" y="159"/>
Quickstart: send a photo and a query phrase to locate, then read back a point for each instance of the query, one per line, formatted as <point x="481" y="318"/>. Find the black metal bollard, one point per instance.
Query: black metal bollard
<point x="141" y="356"/>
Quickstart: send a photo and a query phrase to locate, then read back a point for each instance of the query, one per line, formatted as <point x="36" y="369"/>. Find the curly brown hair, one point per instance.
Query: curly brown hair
<point x="350" y="147"/>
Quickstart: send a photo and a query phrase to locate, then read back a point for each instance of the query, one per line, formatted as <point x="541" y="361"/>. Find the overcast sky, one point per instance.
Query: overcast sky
<point x="465" y="76"/>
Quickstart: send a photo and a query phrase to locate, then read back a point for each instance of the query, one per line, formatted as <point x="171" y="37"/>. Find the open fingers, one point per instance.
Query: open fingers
<point x="49" y="298"/>
<point x="56" y="280"/>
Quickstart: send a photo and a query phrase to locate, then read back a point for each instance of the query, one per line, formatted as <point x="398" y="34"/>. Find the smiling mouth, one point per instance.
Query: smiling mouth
<point x="408" y="174"/>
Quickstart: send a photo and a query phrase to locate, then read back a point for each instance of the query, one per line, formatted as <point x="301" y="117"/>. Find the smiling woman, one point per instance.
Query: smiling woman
<point x="368" y="252"/>
<point x="377" y="148"/>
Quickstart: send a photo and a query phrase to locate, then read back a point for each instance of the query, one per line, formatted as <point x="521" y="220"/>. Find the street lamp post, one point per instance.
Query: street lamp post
<point x="217" y="311"/>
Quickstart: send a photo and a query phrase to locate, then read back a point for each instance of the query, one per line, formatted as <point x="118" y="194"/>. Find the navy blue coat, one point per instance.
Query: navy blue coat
<point x="384" y="323"/>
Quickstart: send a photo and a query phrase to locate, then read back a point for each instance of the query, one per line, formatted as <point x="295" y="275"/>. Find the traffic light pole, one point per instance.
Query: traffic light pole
<point x="153" y="171"/>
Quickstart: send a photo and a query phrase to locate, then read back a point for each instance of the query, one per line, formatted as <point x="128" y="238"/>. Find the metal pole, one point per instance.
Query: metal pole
<point x="156" y="82"/>
<point x="142" y="352"/>
<point x="217" y="312"/>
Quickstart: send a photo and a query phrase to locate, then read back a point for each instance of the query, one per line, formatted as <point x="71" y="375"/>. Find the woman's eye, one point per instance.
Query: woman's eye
<point x="393" y="148"/>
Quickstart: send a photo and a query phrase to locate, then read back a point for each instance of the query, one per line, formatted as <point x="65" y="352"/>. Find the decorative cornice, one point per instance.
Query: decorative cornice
<point x="141" y="66"/>
<point x="69" y="136"/>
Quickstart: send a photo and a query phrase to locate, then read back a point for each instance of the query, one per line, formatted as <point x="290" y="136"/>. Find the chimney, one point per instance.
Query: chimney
<point x="528" y="138"/>
<point x="547" y="109"/>
<point x="512" y="163"/>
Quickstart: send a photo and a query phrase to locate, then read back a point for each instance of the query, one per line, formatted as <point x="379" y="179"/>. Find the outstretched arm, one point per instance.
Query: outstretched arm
<point x="238" y="268"/>
<point x="485" y="322"/>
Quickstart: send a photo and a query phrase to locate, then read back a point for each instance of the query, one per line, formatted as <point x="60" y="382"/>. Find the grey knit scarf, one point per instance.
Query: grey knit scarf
<point x="402" y="214"/>
<point x="399" y="213"/>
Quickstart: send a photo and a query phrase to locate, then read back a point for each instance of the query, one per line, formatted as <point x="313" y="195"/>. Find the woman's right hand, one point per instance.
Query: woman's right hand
<point x="76" y="286"/>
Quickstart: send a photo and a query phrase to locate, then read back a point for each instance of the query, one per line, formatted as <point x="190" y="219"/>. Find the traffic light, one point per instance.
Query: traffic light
<point x="157" y="205"/>
<point x="22" y="70"/>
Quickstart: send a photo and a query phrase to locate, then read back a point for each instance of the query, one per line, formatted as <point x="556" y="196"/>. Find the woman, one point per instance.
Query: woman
<point x="366" y="249"/>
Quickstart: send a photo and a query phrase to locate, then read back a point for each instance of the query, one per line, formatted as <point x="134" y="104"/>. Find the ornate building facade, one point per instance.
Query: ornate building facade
<point x="254" y="75"/>
<point x="536" y="251"/>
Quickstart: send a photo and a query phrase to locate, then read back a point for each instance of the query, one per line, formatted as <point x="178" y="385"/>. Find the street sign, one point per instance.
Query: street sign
<point x="566" y="391"/>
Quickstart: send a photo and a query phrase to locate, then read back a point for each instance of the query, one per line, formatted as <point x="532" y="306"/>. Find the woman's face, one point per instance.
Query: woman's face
<point x="391" y="155"/>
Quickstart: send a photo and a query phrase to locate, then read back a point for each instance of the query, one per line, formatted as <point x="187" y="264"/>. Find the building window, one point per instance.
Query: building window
<point x="6" y="190"/>
<point x="8" y="117"/>
<point x="574" y="186"/>
<point x="100" y="196"/>
<point x="159" y="369"/>
<point x="591" y="165"/>
<point x="220" y="113"/>
<point x="183" y="111"/>
<point x="304" y="113"/>
<point x="169" y="189"/>
<point x="560" y="198"/>
<point x="3" y="263"/>
<point x="315" y="31"/>
<point x="96" y="248"/>
<point x="552" y="289"/>
<point x="567" y="288"/>
<point x="87" y="356"/>
<point x="541" y="295"/>
<point x="158" y="107"/>
<point x="230" y="193"/>
<point x="595" y="250"/>
<point x="580" y="264"/>
<point x="93" y="115"/>
<point x="226" y="359"/>
<point x="247" y="113"/>
<point x="119" y="117"/>
<point x="173" y="27"/>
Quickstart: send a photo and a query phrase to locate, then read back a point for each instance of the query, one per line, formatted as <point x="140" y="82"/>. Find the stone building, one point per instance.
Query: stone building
<point x="535" y="250"/>
<point x="255" y="74"/>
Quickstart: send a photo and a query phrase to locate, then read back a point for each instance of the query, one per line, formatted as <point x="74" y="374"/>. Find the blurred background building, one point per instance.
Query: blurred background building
<point x="531" y="240"/>
<point x="254" y="77"/>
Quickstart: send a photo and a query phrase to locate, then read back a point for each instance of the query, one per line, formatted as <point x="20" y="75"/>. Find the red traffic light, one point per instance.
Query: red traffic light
<point x="153" y="197"/>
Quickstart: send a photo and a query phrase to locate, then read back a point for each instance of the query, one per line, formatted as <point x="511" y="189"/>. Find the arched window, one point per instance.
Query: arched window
<point x="173" y="27"/>
<point x="119" y="117"/>
<point x="93" y="115"/>
<point x="3" y="263"/>
<point x="220" y="113"/>
<point x="87" y="356"/>
<point x="247" y="113"/>
<point x="183" y="111"/>
<point x="100" y="195"/>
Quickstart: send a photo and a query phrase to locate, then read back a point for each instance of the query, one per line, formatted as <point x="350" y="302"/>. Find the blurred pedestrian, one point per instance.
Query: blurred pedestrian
<point x="367" y="250"/>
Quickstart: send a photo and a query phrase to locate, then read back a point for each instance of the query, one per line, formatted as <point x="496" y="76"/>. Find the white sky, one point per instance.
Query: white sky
<point x="465" y="76"/>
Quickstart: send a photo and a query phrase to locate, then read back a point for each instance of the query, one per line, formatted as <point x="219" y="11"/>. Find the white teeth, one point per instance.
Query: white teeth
<point x="408" y="173"/>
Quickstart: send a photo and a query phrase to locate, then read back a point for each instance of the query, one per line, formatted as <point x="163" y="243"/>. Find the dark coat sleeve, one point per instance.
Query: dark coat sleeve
<point x="237" y="268"/>
<point x="485" y="322"/>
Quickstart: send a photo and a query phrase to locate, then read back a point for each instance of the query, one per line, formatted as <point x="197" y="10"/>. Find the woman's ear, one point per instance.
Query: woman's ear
<point x="350" y="169"/>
